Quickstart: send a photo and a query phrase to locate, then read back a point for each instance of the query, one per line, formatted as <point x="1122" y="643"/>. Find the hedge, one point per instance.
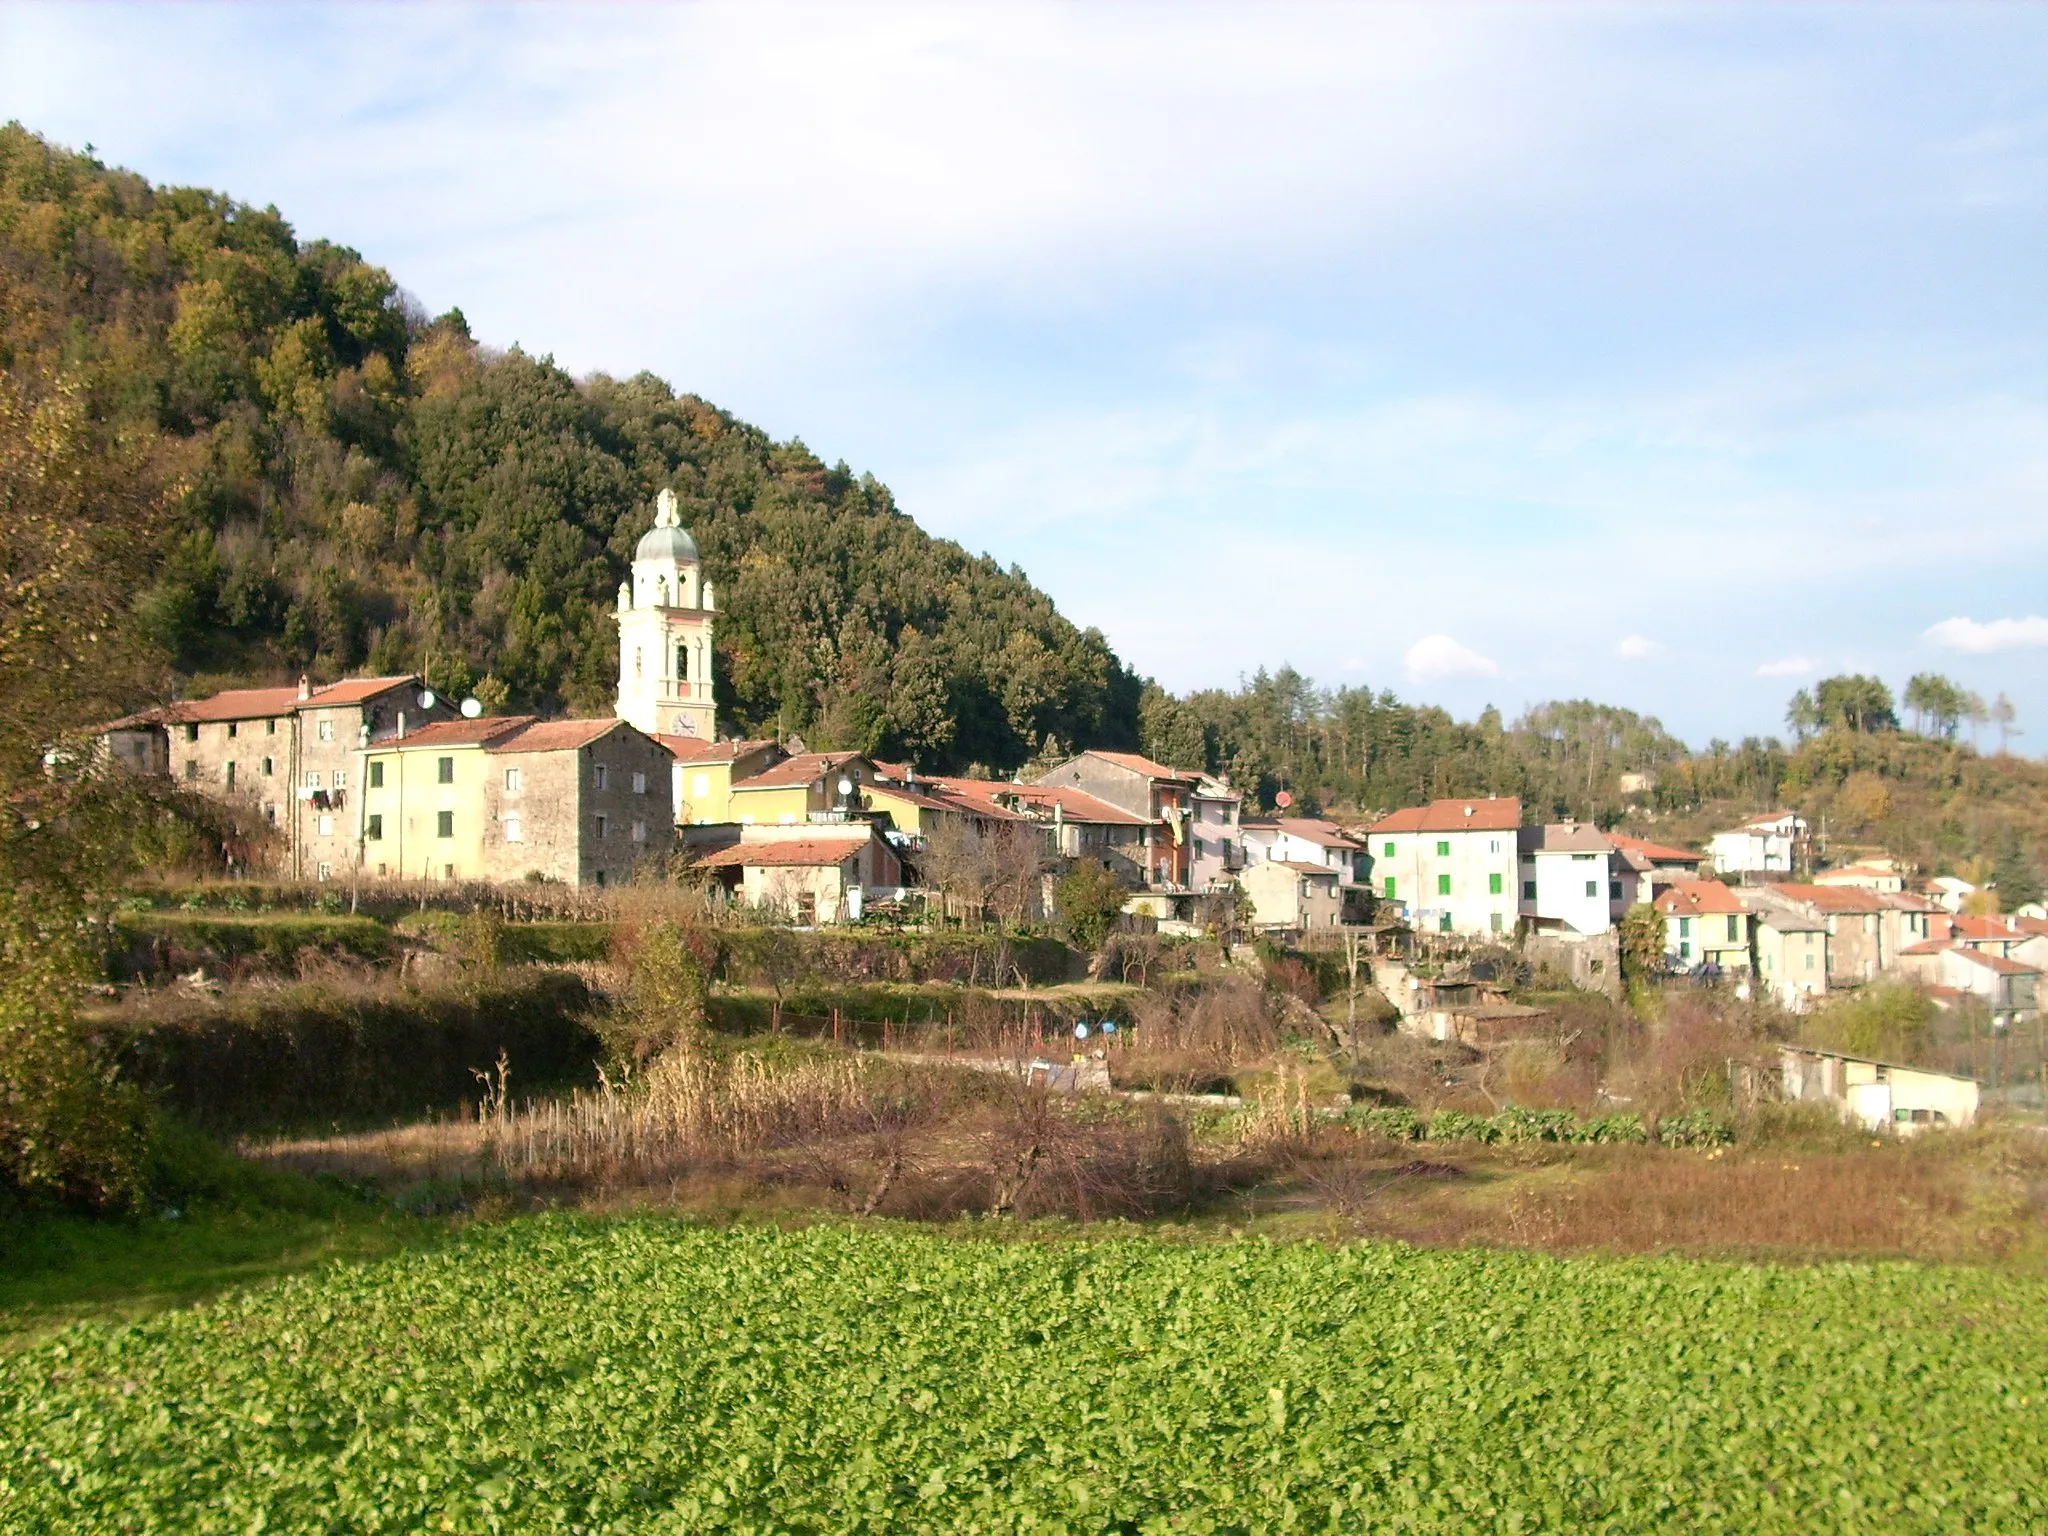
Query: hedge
<point x="144" y="943"/>
<point x="311" y="1056"/>
<point x="1700" y="1128"/>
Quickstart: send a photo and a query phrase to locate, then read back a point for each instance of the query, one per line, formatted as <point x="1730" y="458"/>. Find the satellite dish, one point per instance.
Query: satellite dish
<point x="1284" y="799"/>
<point x="845" y="786"/>
<point x="471" y="708"/>
<point x="1080" y="1031"/>
<point x="426" y="698"/>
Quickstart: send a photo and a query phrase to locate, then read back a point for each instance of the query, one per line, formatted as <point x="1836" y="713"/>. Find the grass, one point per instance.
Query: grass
<point x="564" y="1374"/>
<point x="219" y="1220"/>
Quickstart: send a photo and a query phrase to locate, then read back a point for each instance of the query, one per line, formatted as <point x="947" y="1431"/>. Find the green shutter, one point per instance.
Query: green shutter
<point x="1443" y="848"/>
<point x="1390" y="887"/>
<point x="1443" y="885"/>
<point x="1390" y="850"/>
<point x="1493" y="885"/>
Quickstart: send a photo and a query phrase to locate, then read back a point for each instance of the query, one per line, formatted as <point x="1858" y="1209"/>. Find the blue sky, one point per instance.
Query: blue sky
<point x="1666" y="356"/>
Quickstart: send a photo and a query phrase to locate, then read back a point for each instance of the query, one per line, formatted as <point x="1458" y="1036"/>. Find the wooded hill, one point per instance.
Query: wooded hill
<point x="370" y="489"/>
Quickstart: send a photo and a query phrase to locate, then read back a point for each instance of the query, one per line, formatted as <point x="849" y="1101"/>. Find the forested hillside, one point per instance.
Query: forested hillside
<point x="368" y="488"/>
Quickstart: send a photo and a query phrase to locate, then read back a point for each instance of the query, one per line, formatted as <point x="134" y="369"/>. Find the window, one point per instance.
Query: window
<point x="1494" y="846"/>
<point x="191" y="733"/>
<point x="1684" y="949"/>
<point x="327" y="826"/>
<point x="683" y="662"/>
<point x="1443" y="885"/>
<point x="598" y="775"/>
<point x="377" y="774"/>
<point x="1809" y="959"/>
<point x="1592" y="887"/>
<point x="1884" y="1074"/>
<point x="312" y="778"/>
<point x="639" y="831"/>
<point x="447" y="871"/>
<point x="1390" y="887"/>
<point x="1614" y="890"/>
<point x="444" y="824"/>
<point x="326" y="728"/>
<point x="1493" y="921"/>
<point x="231" y="775"/>
<point x="1388" y="848"/>
<point x="1684" y="929"/>
<point x="325" y="872"/>
<point x="191" y="769"/>
<point x="515" y="830"/>
<point x="636" y="661"/>
<point x="234" y="730"/>
<point x="1528" y="890"/>
<point x="603" y="823"/>
<point x="700" y="784"/>
<point x="373" y="829"/>
<point x="444" y="770"/>
<point x="639" y="783"/>
<point x="270" y="727"/>
<point x="270" y="814"/>
<point x="1493" y="884"/>
<point x="512" y="781"/>
<point x="1443" y="848"/>
<point x="341" y="778"/>
<point x="1443" y="924"/>
<point x="1734" y="928"/>
<point x="269" y="767"/>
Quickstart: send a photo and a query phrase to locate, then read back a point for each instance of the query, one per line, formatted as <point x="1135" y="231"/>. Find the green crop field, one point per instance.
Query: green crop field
<point x="556" y="1374"/>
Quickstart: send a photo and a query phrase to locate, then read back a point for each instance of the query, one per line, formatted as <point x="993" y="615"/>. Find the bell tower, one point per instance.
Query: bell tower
<point x="665" y="616"/>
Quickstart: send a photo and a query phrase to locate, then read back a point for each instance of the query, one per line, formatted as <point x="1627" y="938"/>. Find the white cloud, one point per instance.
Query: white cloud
<point x="1785" y="666"/>
<point x="1638" y="648"/>
<point x="1434" y="658"/>
<point x="1982" y="639"/>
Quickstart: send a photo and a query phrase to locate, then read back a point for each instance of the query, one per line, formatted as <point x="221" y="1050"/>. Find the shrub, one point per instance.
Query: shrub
<point x="1389" y="1122"/>
<point x="1614" y="1129"/>
<point x="1456" y="1125"/>
<point x="1516" y="1124"/>
<point x="1089" y="898"/>
<point x="665" y="993"/>
<point x="1698" y="1128"/>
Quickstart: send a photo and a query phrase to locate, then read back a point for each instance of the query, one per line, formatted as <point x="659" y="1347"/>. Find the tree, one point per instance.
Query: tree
<point x="1939" y="704"/>
<point x="1642" y="942"/>
<point x="1802" y="715"/>
<point x="1862" y="704"/>
<point x="1089" y="897"/>
<point x="2016" y="873"/>
<point x="2002" y="716"/>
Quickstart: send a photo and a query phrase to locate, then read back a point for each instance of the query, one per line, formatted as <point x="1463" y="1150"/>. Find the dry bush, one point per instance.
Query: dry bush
<point x="1038" y="1155"/>
<point x="1683" y="1063"/>
<point x="1193" y="1040"/>
<point x="1889" y="1202"/>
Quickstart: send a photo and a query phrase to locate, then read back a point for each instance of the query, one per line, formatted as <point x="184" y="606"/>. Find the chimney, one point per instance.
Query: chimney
<point x="401" y="725"/>
<point x="305" y="687"/>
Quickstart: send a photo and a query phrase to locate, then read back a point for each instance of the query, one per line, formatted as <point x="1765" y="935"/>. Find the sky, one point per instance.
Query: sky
<point x="1667" y="356"/>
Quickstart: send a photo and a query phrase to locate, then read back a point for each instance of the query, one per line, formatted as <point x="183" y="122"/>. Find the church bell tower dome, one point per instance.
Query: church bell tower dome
<point x="665" y="617"/>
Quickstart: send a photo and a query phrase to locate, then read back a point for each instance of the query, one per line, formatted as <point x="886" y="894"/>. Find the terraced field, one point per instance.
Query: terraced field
<point x="563" y="1375"/>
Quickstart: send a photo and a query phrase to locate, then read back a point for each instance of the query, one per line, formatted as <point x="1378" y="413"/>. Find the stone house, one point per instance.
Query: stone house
<point x="1161" y="797"/>
<point x="1294" y="897"/>
<point x="1450" y="866"/>
<point x="514" y="798"/>
<point x="820" y="873"/>
<point x="291" y="755"/>
<point x="1791" y="955"/>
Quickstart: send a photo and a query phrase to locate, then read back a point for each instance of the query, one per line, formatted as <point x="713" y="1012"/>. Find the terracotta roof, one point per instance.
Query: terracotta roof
<point x="557" y="735"/>
<point x="1831" y="898"/>
<point x="1656" y="853"/>
<point x="923" y="797"/>
<point x="259" y="703"/>
<point x="808" y="852"/>
<point x="456" y="733"/>
<point x="712" y="751"/>
<point x="1039" y="799"/>
<point x="2011" y="929"/>
<point x="1906" y="901"/>
<point x="1301" y="868"/>
<point x="798" y="770"/>
<point x="1927" y="947"/>
<point x="1789" y="922"/>
<point x="1141" y="764"/>
<point x="1484" y="813"/>
<point x="1990" y="962"/>
<point x="1769" y="819"/>
<point x="1691" y="898"/>
<point x="684" y="749"/>
<point x="900" y="772"/>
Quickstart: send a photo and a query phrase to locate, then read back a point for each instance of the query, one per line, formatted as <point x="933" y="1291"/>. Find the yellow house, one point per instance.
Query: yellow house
<point x="704" y="773"/>
<point x="423" y="804"/>
<point x="786" y="793"/>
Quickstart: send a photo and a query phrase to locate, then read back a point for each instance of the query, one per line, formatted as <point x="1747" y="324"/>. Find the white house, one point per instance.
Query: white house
<point x="1573" y="879"/>
<point x="1762" y="845"/>
<point x="1952" y="971"/>
<point x="1881" y="875"/>
<point x="1948" y="892"/>
<point x="1216" y="849"/>
<point x="1877" y="1094"/>
<point x="1450" y="866"/>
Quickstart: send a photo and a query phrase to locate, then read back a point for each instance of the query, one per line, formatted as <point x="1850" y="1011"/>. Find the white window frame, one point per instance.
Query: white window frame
<point x="512" y="779"/>
<point x="515" y="830"/>
<point x="598" y="774"/>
